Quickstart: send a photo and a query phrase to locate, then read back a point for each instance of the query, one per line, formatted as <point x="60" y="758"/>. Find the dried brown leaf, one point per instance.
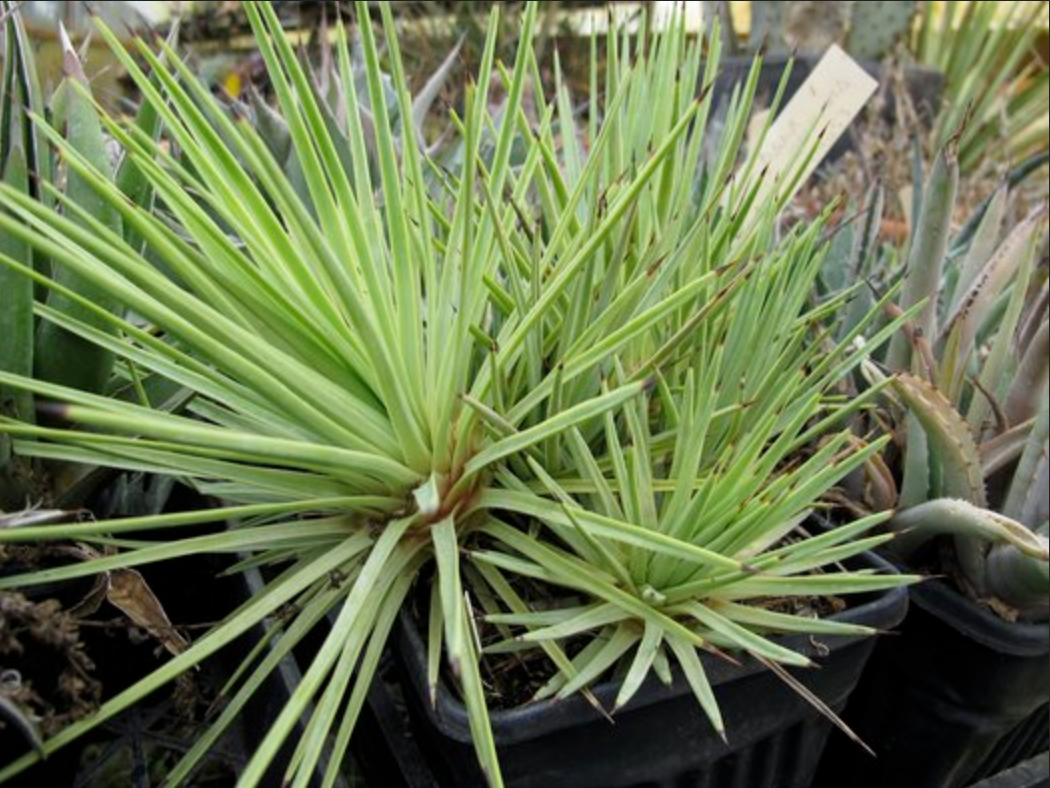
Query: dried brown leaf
<point x="129" y="592"/>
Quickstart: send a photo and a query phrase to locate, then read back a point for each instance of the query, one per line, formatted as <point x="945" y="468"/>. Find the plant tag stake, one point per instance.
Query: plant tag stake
<point x="825" y="105"/>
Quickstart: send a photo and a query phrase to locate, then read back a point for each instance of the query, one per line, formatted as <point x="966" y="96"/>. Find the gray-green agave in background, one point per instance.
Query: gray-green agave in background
<point x="30" y="345"/>
<point x="593" y="363"/>
<point x="970" y="396"/>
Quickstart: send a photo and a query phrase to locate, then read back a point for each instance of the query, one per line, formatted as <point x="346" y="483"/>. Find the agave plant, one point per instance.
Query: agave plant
<point x="971" y="393"/>
<point x="594" y="365"/>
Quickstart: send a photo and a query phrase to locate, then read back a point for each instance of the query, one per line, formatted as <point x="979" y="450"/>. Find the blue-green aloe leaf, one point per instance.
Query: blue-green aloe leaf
<point x="62" y="357"/>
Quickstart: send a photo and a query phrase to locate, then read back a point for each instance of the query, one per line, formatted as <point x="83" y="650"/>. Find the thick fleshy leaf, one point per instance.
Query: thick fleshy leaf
<point x="59" y="356"/>
<point x="949" y="436"/>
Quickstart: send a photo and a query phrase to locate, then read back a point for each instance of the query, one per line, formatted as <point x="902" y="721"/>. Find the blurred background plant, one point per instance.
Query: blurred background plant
<point x="997" y="89"/>
<point x="867" y="30"/>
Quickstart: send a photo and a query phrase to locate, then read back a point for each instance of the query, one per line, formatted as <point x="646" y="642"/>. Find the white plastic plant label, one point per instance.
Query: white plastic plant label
<point x="822" y="109"/>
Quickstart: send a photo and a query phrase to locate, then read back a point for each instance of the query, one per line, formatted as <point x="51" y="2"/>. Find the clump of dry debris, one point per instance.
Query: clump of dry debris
<point x="45" y="674"/>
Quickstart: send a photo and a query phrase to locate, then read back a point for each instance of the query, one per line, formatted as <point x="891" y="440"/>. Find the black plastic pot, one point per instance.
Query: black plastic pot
<point x="269" y="701"/>
<point x="661" y="738"/>
<point x="957" y="696"/>
<point x="1033" y="773"/>
<point x="923" y="84"/>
